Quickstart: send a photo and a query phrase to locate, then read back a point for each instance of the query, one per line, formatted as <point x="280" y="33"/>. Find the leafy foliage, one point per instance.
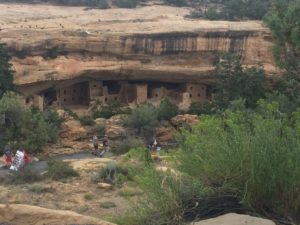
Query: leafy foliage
<point x="59" y="170"/>
<point x="255" y="155"/>
<point x="283" y="20"/>
<point x="167" y="109"/>
<point x="144" y="119"/>
<point x="235" y="81"/>
<point x="106" y="174"/>
<point x="109" y="110"/>
<point x="124" y="145"/>
<point x="87" y="121"/>
<point x="26" y="128"/>
<point x="26" y="174"/>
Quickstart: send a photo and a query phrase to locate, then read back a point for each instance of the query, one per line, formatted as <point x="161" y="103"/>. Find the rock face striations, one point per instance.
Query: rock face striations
<point x="129" y="55"/>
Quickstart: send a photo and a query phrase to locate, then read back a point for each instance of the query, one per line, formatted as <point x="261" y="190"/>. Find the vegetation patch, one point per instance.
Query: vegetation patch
<point x="59" y="170"/>
<point x="40" y="189"/>
<point x="107" y="205"/>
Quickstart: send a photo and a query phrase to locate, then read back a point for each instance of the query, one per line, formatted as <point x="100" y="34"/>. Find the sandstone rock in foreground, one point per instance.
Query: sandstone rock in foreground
<point x="33" y="215"/>
<point x="235" y="219"/>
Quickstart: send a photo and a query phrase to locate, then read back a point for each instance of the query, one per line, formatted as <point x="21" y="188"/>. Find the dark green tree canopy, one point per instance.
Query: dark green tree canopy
<point x="235" y="82"/>
<point x="6" y="73"/>
<point x="283" y="20"/>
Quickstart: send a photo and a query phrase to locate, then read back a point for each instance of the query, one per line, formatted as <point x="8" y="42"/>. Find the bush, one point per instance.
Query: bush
<point x="106" y="174"/>
<point x="167" y="110"/>
<point x="144" y="119"/>
<point x="58" y="170"/>
<point x="235" y="82"/>
<point x="212" y="14"/>
<point x="26" y="128"/>
<point x="162" y="200"/>
<point x="127" y="3"/>
<point x="202" y="108"/>
<point x="87" y="121"/>
<point x="179" y="3"/>
<point x="26" y="174"/>
<point x="109" y="110"/>
<point x="124" y="145"/>
<point x="255" y="157"/>
<point x="71" y="113"/>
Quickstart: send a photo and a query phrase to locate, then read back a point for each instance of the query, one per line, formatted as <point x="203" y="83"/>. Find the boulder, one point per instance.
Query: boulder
<point x="62" y="114"/>
<point x="100" y="121"/>
<point x="116" y="119"/>
<point x="235" y="219"/>
<point x="186" y="119"/>
<point x="105" y="186"/>
<point x="73" y="130"/>
<point x="115" y="131"/>
<point x="165" y="134"/>
<point x="34" y="215"/>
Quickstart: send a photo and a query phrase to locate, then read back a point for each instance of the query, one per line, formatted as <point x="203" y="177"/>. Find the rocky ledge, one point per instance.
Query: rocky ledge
<point x="51" y="43"/>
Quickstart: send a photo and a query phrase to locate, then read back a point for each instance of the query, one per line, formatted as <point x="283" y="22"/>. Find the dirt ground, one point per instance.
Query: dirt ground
<point x="77" y="194"/>
<point x="149" y="19"/>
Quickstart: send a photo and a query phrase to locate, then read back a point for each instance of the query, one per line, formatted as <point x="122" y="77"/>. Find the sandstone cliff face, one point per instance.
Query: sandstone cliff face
<point x="51" y="43"/>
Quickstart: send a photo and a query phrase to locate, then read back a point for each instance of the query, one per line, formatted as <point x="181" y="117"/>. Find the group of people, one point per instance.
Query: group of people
<point x="9" y="155"/>
<point x="105" y="145"/>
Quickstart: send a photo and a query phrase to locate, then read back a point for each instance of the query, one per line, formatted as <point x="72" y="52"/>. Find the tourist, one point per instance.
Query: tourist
<point x="105" y="145"/>
<point x="95" y="144"/>
<point x="26" y="157"/>
<point x="7" y="158"/>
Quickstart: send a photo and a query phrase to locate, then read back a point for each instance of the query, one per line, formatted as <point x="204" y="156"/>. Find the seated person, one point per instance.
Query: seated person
<point x="26" y="157"/>
<point x="7" y="158"/>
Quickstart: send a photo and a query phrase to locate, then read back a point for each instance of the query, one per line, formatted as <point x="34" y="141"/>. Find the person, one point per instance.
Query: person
<point x="26" y="157"/>
<point x="7" y="158"/>
<point x="153" y="144"/>
<point x="95" y="144"/>
<point x="105" y="145"/>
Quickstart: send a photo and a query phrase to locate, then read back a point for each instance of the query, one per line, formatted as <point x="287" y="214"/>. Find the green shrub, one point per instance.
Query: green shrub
<point x="167" y="109"/>
<point x="88" y="196"/>
<point x="127" y="3"/>
<point x="26" y="128"/>
<point x="179" y="3"/>
<point x="162" y="200"/>
<point x="144" y="119"/>
<point x="71" y="113"/>
<point x="106" y="174"/>
<point x="103" y="4"/>
<point x="124" y="145"/>
<point x="87" y="121"/>
<point x="212" y="14"/>
<point x="109" y="110"/>
<point x="59" y="170"/>
<point x="255" y="157"/>
<point x="202" y="108"/>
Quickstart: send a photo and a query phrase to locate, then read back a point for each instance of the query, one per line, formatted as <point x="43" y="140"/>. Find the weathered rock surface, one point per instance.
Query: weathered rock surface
<point x="72" y="130"/>
<point x="181" y="120"/>
<point x="146" y="43"/>
<point x="33" y="215"/>
<point x="165" y="134"/>
<point x="235" y="219"/>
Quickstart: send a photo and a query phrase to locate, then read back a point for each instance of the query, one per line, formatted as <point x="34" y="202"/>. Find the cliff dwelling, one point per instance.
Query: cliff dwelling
<point x="88" y="92"/>
<point x="89" y="57"/>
